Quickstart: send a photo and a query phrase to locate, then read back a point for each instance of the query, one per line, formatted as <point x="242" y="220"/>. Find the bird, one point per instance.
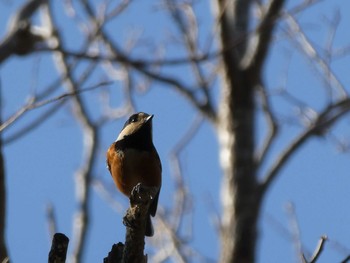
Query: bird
<point x="133" y="159"/>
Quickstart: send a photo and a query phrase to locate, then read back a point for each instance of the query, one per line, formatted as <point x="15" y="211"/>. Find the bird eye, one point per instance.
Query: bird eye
<point x="133" y="118"/>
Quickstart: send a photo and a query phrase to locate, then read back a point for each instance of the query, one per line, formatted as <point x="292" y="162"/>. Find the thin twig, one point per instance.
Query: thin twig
<point x="185" y="90"/>
<point x="306" y="46"/>
<point x="181" y="196"/>
<point x="295" y="232"/>
<point x="324" y="121"/>
<point x="32" y="104"/>
<point x="51" y="220"/>
<point x="272" y="126"/>
<point x="318" y="249"/>
<point x="184" y="17"/>
<point x="90" y="139"/>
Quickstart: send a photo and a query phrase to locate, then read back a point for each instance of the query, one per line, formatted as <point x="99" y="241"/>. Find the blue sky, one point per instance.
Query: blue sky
<point x="40" y="165"/>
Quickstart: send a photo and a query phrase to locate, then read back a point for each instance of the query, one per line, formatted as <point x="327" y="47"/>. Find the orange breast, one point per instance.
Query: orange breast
<point x="130" y="167"/>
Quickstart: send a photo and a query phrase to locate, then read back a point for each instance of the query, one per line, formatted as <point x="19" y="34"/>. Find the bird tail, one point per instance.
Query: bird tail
<point x="149" y="227"/>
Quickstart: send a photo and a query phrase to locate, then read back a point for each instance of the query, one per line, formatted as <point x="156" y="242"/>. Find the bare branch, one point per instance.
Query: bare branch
<point x="303" y="5"/>
<point x="21" y="39"/>
<point x="70" y="94"/>
<point x="51" y="220"/>
<point x="272" y="126"/>
<point x="32" y="125"/>
<point x="318" y="249"/>
<point x="3" y="248"/>
<point x="135" y="220"/>
<point x="101" y="189"/>
<point x="84" y="174"/>
<point x="172" y="245"/>
<point x="346" y="260"/>
<point x="187" y="91"/>
<point x="305" y="45"/>
<point x="137" y="62"/>
<point x="333" y="26"/>
<point x="186" y="21"/>
<point x="16" y="115"/>
<point x="295" y="232"/>
<point x="322" y="122"/>
<point x="59" y="248"/>
<point x="118" y="9"/>
<point x="181" y="193"/>
<point x="32" y="104"/>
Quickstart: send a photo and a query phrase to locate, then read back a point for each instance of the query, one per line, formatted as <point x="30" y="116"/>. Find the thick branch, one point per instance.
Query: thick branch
<point x="264" y="36"/>
<point x="234" y="20"/>
<point x="3" y="250"/>
<point x="59" y="248"/>
<point x="135" y="222"/>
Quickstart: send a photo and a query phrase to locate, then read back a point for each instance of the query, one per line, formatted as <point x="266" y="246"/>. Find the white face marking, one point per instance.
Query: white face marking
<point x="133" y="127"/>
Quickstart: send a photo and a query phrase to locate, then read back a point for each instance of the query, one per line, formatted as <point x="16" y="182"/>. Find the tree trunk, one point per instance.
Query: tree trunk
<point x="240" y="202"/>
<point x="3" y="250"/>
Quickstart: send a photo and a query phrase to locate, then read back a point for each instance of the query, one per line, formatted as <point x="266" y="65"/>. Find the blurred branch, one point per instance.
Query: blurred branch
<point x="91" y="140"/>
<point x="26" y="129"/>
<point x="33" y="104"/>
<point x="22" y="37"/>
<point x="285" y="231"/>
<point x="136" y="62"/>
<point x="272" y="128"/>
<point x="101" y="189"/>
<point x="305" y="45"/>
<point x="322" y="122"/>
<point x="171" y="245"/>
<point x="186" y="21"/>
<point x="264" y="31"/>
<point x="51" y="219"/>
<point x="118" y="9"/>
<point x="295" y="232"/>
<point x="3" y="198"/>
<point x="128" y="104"/>
<point x="346" y="260"/>
<point x="333" y="27"/>
<point x="302" y="6"/>
<point x="187" y="91"/>
<point x="182" y="197"/>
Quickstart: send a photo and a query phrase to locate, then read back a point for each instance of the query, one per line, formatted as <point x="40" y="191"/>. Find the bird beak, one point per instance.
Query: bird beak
<point x="150" y="117"/>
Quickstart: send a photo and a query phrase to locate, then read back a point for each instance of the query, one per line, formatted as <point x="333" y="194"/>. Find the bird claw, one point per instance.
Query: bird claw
<point x="138" y="189"/>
